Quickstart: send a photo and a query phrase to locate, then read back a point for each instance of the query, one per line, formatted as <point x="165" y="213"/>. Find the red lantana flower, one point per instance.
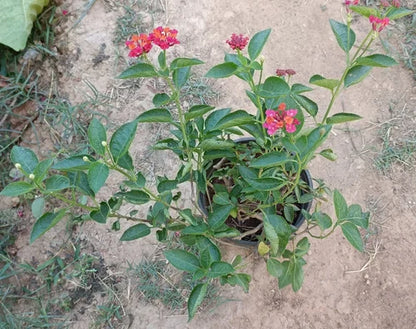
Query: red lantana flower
<point x="281" y="118"/>
<point x="164" y="37"/>
<point x="378" y="23"/>
<point x="284" y="72"/>
<point x="237" y="41"/>
<point x="138" y="45"/>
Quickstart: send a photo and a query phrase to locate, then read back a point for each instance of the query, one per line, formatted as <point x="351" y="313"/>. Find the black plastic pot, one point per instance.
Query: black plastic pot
<point x="251" y="240"/>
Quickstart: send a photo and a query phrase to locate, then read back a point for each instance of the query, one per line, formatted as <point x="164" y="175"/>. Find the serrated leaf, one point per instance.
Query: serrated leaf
<point x="56" y="183"/>
<point x="352" y="234"/>
<point x="38" y="207"/>
<point x="306" y="103"/>
<point x="340" y="205"/>
<point x="100" y="215"/>
<point x="213" y="144"/>
<point x="198" y="111"/>
<point x="257" y="43"/>
<point x="97" y="175"/>
<point x="274" y="87"/>
<point x="135" y="232"/>
<point x="234" y="119"/>
<point x="302" y="247"/>
<point x="75" y="163"/>
<point x="184" y="62"/>
<point x="320" y="81"/>
<point x="122" y="138"/>
<point x="25" y="157"/>
<point x="271" y="159"/>
<point x="180" y="76"/>
<point x="136" y="197"/>
<point x="97" y="135"/>
<point x="274" y="267"/>
<point x="219" y="215"/>
<point x="378" y="60"/>
<point x="45" y="223"/>
<point x="342" y="117"/>
<point x="345" y="36"/>
<point x="323" y="220"/>
<point x="297" y="274"/>
<point x="155" y="115"/>
<point x="17" y="188"/>
<point x="139" y="70"/>
<point x="16" y="21"/>
<point x="219" y="269"/>
<point x="223" y="70"/>
<point x="196" y="298"/>
<point x="161" y="99"/>
<point x="182" y="260"/>
<point x="356" y="74"/>
<point x="41" y="170"/>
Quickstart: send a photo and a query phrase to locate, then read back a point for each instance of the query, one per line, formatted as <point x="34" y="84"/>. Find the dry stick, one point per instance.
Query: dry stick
<point x="252" y="231"/>
<point x="115" y="295"/>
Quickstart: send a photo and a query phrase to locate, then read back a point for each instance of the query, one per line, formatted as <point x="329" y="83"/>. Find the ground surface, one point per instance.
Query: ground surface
<point x="336" y="293"/>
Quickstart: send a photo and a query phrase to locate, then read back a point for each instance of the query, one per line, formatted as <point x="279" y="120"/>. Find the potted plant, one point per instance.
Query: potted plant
<point x="255" y="189"/>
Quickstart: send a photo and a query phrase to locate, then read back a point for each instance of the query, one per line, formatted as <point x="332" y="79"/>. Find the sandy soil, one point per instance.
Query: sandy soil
<point x="342" y="288"/>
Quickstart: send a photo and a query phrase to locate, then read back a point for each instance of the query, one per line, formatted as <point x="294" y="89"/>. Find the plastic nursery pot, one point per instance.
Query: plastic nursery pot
<point x="250" y="224"/>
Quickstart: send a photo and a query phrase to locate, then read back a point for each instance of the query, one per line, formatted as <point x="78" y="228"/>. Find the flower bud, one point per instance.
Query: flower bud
<point x="104" y="143"/>
<point x="85" y="158"/>
<point x="31" y="176"/>
<point x="18" y="166"/>
<point x="261" y="59"/>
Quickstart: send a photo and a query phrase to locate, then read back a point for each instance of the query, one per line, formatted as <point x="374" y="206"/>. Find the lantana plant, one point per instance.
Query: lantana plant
<point x="255" y="190"/>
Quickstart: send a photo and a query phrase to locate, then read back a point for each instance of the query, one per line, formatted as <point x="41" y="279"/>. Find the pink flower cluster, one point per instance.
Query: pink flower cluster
<point x="394" y="3"/>
<point x="348" y="3"/>
<point x="378" y="24"/>
<point x="281" y="118"/>
<point x="237" y="41"/>
<point x="284" y="72"/>
<point x="164" y="37"/>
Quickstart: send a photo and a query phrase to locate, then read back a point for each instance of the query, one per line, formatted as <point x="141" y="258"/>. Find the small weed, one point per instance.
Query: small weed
<point x="198" y="90"/>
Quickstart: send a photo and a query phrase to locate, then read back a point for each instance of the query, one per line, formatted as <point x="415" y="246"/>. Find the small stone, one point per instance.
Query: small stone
<point x="368" y="282"/>
<point x="15" y="202"/>
<point x="366" y="276"/>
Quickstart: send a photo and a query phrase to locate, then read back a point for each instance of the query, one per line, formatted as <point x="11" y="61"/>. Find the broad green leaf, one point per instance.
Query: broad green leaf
<point x="257" y="43"/>
<point x="297" y="274"/>
<point x="298" y="88"/>
<point x="57" y="183"/>
<point x="16" y="21"/>
<point x="221" y="198"/>
<point x="302" y="247"/>
<point x="38" y="207"/>
<point x="161" y="99"/>
<point x="41" y="170"/>
<point x="271" y="236"/>
<point x="241" y="279"/>
<point x="286" y="275"/>
<point x="274" y="267"/>
<point x="342" y="117"/>
<point x="274" y="87"/>
<point x="126" y="161"/>
<point x="182" y="260"/>
<point x="353" y="235"/>
<point x="97" y="135"/>
<point x="100" y="215"/>
<point x="204" y="243"/>
<point x="219" y="215"/>
<point x="45" y="223"/>
<point x="140" y="70"/>
<point x="271" y="159"/>
<point x="213" y="144"/>
<point x="167" y="185"/>
<point x="121" y="140"/>
<point x="378" y="60"/>
<point x="320" y="81"/>
<point x="135" y="232"/>
<point x="341" y="208"/>
<point x="198" y="111"/>
<point x="223" y="70"/>
<point x="161" y="59"/>
<point x="180" y="76"/>
<point x="306" y="103"/>
<point x="356" y="74"/>
<point x="79" y="179"/>
<point x="75" y="163"/>
<point x="17" y="188"/>
<point x="264" y="184"/>
<point x="228" y="232"/>
<point x="328" y="154"/>
<point x="396" y="13"/>
<point x="365" y="11"/>
<point x="345" y="36"/>
<point x="155" y="115"/>
<point x="196" y="298"/>
<point x="323" y="220"/>
<point x="136" y="197"/>
<point x="199" y="229"/>
<point x="219" y="269"/>
<point x="97" y="175"/>
<point x="234" y="119"/>
<point x="25" y="157"/>
<point x="212" y="119"/>
<point x="357" y="216"/>
<point x="184" y="62"/>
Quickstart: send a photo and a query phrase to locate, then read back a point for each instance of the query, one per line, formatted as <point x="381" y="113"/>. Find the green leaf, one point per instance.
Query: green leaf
<point x="38" y="207"/>
<point x="126" y="161"/>
<point x="298" y="88"/>
<point x="309" y="105"/>
<point x="271" y="236"/>
<point x="320" y="81"/>
<point x="234" y="119"/>
<point x="214" y="117"/>
<point x="121" y="140"/>
<point x="345" y="36"/>
<point x="219" y="269"/>
<point x="180" y="76"/>
<point x="241" y="279"/>
<point x="182" y="260"/>
<point x="274" y="267"/>
<point x="297" y="274"/>
<point x="140" y="70"/>
<point x="213" y="144"/>
<point x="161" y="59"/>
<point x="184" y="62"/>
<point x="41" y="170"/>
<point x="356" y="74"/>
<point x="100" y="216"/>
<point x="136" y="197"/>
<point x="341" y="208"/>
<point x="274" y="87"/>
<point x="365" y="11"/>
<point x="97" y="175"/>
<point x="302" y="247"/>
<point x="378" y="60"/>
<point x="257" y="43"/>
<point x="25" y="157"/>
<point x="166" y="185"/>
<point x="352" y="234"/>
<point x="323" y="220"/>
<point x="219" y="215"/>
<point x="16" y="21"/>
<point x="342" y="117"/>
<point x="79" y="179"/>
<point x="161" y="99"/>
<point x="198" y="111"/>
<point x="357" y="216"/>
<point x="57" y="183"/>
<point x="196" y="230"/>
<point x="196" y="298"/>
<point x="135" y="232"/>
<point x="155" y="115"/>
<point x="223" y="70"/>
<point x="97" y="135"/>
<point x="17" y="188"/>
<point x="45" y="223"/>
<point x="328" y="154"/>
<point x="396" y="13"/>
<point x="272" y="159"/>
<point x="75" y="163"/>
